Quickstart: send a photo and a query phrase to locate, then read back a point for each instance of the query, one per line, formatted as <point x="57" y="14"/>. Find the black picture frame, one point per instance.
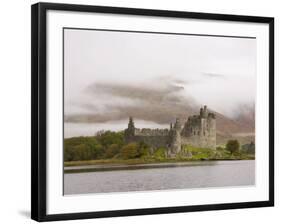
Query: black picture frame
<point x="39" y="107"/>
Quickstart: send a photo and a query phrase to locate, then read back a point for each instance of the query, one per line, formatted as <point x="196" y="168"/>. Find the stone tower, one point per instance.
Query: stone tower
<point x="200" y="130"/>
<point x="212" y="130"/>
<point x="130" y="131"/>
<point x="176" y="137"/>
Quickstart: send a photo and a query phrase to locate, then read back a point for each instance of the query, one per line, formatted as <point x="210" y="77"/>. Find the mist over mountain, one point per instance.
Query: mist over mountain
<point x="156" y="78"/>
<point x="160" y="103"/>
<point x="245" y="114"/>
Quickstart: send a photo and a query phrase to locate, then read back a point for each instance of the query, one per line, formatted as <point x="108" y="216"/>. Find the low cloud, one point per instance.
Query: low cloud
<point x="157" y="101"/>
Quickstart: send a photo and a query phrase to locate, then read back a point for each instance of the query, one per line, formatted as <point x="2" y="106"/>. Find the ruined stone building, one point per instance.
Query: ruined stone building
<point x="197" y="130"/>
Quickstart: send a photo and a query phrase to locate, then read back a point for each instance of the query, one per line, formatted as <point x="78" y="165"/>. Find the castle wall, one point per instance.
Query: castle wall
<point x="154" y="137"/>
<point x="198" y="130"/>
<point x="151" y="132"/>
<point x="155" y="141"/>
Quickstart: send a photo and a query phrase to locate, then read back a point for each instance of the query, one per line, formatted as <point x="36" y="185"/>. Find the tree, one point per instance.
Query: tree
<point x="112" y="151"/>
<point x="82" y="148"/>
<point x="107" y="138"/>
<point x="232" y="146"/>
<point x="143" y="150"/>
<point x="130" y="151"/>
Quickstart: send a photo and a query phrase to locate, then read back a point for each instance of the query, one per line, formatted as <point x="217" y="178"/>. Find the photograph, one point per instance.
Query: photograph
<point x="155" y="111"/>
<point x="139" y="112"/>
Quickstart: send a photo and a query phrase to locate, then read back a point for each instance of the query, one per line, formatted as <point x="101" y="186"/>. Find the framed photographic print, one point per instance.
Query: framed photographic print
<point x="140" y="111"/>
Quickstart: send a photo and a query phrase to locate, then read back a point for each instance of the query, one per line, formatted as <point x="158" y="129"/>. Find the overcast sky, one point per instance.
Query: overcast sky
<point x="111" y="75"/>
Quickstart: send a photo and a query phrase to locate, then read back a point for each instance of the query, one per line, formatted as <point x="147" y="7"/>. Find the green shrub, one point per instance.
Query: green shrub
<point x="220" y="148"/>
<point x="144" y="150"/>
<point x="232" y="146"/>
<point x="130" y="151"/>
<point x="160" y="153"/>
<point x="199" y="153"/>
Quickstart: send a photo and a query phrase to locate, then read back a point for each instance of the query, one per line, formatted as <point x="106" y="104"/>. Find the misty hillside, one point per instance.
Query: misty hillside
<point x="228" y="126"/>
<point x="242" y="127"/>
<point x="159" y="102"/>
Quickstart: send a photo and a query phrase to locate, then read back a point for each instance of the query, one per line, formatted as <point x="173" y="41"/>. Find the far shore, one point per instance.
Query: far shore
<point x="103" y="165"/>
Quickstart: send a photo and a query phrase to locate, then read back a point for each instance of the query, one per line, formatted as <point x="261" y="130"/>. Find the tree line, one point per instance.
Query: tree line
<point x="111" y="145"/>
<point x="105" y="145"/>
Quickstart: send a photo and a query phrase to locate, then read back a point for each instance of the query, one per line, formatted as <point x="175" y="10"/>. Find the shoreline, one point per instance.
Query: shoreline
<point x="116" y="167"/>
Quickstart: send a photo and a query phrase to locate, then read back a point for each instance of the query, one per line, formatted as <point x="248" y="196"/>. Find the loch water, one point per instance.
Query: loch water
<point x="205" y="175"/>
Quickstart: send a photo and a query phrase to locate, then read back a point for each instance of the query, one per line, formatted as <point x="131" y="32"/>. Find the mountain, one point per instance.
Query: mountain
<point x="246" y="114"/>
<point x="241" y="127"/>
<point x="228" y="126"/>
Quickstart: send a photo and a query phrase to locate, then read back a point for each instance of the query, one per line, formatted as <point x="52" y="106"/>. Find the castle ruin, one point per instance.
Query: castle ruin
<point x="197" y="130"/>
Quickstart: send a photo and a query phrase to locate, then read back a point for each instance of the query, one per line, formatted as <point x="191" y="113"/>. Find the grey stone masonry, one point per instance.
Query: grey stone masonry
<point x="197" y="130"/>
